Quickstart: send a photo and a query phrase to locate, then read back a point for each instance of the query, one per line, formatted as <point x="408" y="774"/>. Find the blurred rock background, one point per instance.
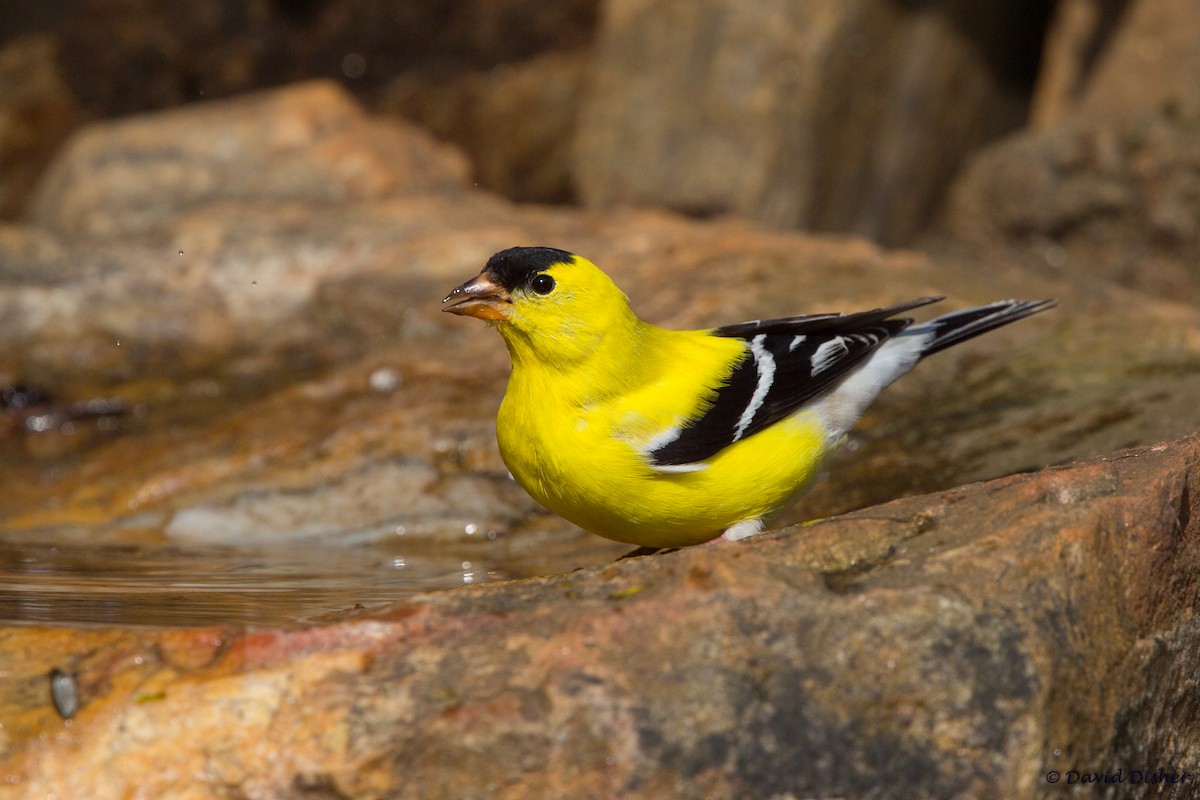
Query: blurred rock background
<point x="228" y="398"/>
<point x="1048" y="126"/>
<point x="825" y="115"/>
<point x="507" y="80"/>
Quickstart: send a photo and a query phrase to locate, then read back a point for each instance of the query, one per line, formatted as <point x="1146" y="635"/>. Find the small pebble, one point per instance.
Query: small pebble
<point x="385" y="380"/>
<point x="64" y="692"/>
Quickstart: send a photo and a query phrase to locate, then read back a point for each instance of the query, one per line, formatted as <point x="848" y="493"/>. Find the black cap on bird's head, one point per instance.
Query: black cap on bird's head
<point x="489" y="295"/>
<point x="516" y="267"/>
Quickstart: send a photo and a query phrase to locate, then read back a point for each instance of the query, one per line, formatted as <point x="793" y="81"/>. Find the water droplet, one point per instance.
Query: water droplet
<point x="466" y="565"/>
<point x="492" y="535"/>
<point x="180" y="252"/>
<point x="398" y="563"/>
<point x="471" y="528"/>
<point x="400" y="530"/>
<point x="566" y="651"/>
<point x="1057" y="753"/>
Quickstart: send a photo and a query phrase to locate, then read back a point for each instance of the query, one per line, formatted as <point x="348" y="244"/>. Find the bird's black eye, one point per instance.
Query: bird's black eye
<point x="542" y="283"/>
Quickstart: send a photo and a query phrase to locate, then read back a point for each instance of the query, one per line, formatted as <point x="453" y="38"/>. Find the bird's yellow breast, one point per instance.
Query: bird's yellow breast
<point x="583" y="458"/>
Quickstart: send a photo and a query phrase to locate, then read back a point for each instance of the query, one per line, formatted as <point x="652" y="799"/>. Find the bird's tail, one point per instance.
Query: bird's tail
<point x="958" y="326"/>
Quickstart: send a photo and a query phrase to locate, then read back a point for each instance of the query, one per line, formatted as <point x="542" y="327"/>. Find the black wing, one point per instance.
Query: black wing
<point x="788" y="362"/>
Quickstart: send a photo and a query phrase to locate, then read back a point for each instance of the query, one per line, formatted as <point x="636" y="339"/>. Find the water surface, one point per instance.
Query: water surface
<point x="171" y="585"/>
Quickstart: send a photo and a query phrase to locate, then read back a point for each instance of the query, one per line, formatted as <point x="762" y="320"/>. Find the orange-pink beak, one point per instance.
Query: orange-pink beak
<point x="479" y="297"/>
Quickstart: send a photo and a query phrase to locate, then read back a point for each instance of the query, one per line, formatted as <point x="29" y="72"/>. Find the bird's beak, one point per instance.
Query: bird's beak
<point x="479" y="297"/>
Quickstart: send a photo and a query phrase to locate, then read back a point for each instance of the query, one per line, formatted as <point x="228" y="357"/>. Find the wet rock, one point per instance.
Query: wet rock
<point x="787" y="112"/>
<point x="42" y="424"/>
<point x="949" y="644"/>
<point x="303" y="388"/>
<point x="253" y="352"/>
<point x="376" y="502"/>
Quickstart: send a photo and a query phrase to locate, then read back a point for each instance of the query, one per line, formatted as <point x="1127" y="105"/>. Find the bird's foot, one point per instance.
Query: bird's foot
<point x="647" y="551"/>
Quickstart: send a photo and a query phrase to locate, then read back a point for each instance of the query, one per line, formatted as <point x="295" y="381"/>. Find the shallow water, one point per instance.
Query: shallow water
<point x="133" y="585"/>
<point x="80" y="545"/>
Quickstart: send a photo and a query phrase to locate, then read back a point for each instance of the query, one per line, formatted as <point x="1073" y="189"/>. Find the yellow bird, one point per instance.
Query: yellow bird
<point x="666" y="438"/>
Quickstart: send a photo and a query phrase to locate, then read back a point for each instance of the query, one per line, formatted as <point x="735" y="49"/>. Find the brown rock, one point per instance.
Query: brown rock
<point x="949" y="645"/>
<point x="169" y="196"/>
<point x="1106" y="187"/>
<point x="788" y="113"/>
<point x="1113" y="200"/>
<point x="37" y="113"/>
<point x="515" y="122"/>
<point x="115" y="59"/>
<point x="141" y="55"/>
<point x="253" y="356"/>
<point x="302" y="387"/>
<point x="1152" y="61"/>
<point x="1079" y="31"/>
<point x="190" y="649"/>
<point x="308" y="143"/>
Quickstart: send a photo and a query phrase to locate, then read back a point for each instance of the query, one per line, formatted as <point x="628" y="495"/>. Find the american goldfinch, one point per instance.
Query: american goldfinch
<point x="666" y="438"/>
